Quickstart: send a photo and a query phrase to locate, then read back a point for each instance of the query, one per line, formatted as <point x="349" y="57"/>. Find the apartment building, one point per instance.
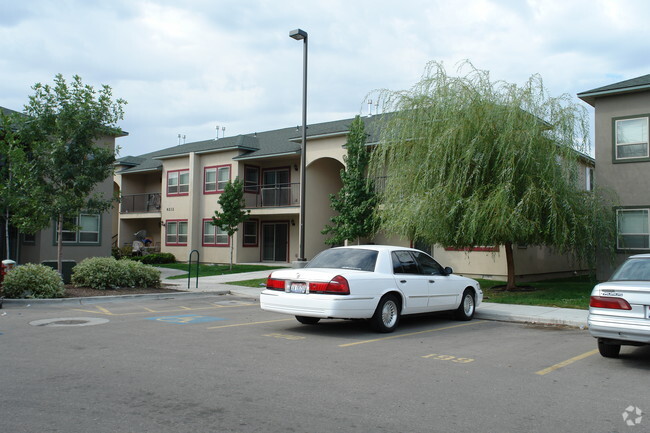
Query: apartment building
<point x="172" y="194"/>
<point x="622" y="113"/>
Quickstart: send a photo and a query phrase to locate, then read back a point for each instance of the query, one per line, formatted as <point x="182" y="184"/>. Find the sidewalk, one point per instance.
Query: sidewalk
<point x="215" y="285"/>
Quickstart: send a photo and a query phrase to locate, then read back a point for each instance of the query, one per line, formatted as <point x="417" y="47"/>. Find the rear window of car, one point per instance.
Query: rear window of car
<point x="341" y="258"/>
<point x="633" y="270"/>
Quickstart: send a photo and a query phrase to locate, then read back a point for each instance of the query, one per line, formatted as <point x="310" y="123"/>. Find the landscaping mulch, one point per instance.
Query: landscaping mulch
<point x="84" y="292"/>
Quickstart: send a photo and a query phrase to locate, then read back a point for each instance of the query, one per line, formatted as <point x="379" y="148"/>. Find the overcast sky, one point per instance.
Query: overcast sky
<point x="187" y="66"/>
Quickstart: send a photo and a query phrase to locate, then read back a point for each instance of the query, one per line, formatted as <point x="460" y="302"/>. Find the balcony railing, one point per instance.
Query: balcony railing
<point x="282" y="195"/>
<point x="140" y="203"/>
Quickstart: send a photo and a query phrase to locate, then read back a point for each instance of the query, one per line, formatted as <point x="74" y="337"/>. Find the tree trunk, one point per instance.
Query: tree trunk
<point x="231" y="248"/>
<point x="510" y="265"/>
<point x="59" y="245"/>
<point x="7" y="234"/>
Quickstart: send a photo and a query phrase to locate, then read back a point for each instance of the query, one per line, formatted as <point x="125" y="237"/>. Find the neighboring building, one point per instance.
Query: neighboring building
<point x="172" y="195"/>
<point x="622" y="113"/>
<point x="92" y="239"/>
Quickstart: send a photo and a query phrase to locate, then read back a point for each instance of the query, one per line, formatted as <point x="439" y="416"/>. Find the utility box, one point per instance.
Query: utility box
<point x="67" y="266"/>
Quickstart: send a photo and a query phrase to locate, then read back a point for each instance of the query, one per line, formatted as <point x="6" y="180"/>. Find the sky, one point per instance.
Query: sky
<point x="186" y="67"/>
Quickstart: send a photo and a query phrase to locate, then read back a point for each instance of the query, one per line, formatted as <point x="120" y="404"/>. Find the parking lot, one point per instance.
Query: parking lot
<point x="220" y="364"/>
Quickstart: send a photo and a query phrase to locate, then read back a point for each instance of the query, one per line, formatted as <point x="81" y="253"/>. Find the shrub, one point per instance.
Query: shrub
<point x="156" y="258"/>
<point x="121" y="252"/>
<point x="107" y="273"/>
<point x="33" y="281"/>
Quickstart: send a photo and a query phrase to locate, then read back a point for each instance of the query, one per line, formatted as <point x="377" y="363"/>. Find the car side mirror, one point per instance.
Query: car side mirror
<point x="448" y="271"/>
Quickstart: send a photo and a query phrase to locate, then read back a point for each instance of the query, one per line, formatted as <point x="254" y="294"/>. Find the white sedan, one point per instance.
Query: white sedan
<point x="374" y="282"/>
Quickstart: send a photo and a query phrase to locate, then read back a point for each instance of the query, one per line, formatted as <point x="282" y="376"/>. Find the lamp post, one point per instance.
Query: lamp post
<point x="298" y="35"/>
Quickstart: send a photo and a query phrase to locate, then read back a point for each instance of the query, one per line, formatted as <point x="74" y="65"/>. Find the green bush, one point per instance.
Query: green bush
<point x="33" y="281"/>
<point x="107" y="273"/>
<point x="156" y="258"/>
<point x="123" y="252"/>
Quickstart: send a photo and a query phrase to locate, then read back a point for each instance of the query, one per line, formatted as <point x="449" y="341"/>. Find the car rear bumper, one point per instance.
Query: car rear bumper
<point x="617" y="328"/>
<point x="316" y="305"/>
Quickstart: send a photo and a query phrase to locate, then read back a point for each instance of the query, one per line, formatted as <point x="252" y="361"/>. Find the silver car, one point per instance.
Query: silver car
<point x="619" y="309"/>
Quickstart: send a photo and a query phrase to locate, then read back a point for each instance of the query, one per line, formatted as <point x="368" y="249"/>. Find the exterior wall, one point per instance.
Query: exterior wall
<point x="629" y="180"/>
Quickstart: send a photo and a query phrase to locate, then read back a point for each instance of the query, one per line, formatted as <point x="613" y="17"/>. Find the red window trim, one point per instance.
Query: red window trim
<point x="215" y="236"/>
<point x="257" y="237"/>
<point x="217" y="167"/>
<point x="176" y="244"/>
<point x="475" y="249"/>
<point x="179" y="183"/>
<point x="256" y="188"/>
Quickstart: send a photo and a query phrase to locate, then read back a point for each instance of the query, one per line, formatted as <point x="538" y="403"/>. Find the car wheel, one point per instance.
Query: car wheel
<point x="308" y="320"/>
<point x="608" y="350"/>
<point x="465" y="310"/>
<point x="386" y="315"/>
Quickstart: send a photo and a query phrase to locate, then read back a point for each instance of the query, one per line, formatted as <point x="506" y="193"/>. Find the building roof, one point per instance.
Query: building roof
<point x="255" y="145"/>
<point x="638" y="84"/>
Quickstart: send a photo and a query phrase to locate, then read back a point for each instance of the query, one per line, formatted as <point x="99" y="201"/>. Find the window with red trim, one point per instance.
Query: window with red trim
<point x="176" y="233"/>
<point x="178" y="182"/>
<point x="215" y="178"/>
<point x="250" y="233"/>
<point x="213" y="236"/>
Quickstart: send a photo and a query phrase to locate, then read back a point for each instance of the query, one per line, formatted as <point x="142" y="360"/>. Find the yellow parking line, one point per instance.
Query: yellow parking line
<point x="567" y="362"/>
<point x="249" y="323"/>
<point x="475" y="322"/>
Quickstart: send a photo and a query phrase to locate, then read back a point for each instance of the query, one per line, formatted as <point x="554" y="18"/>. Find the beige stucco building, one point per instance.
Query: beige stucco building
<point x="173" y="193"/>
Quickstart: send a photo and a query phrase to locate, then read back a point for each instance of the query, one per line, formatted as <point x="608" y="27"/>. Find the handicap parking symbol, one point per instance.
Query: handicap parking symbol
<point x="186" y="319"/>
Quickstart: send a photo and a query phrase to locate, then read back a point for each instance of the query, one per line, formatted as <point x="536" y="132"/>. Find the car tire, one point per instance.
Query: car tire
<point x="608" y="350"/>
<point x="308" y="320"/>
<point x="467" y="307"/>
<point x="387" y="314"/>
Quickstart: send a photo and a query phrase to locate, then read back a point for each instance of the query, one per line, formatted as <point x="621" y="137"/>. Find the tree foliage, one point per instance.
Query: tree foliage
<point x="475" y="162"/>
<point x="355" y="202"/>
<point x="62" y="130"/>
<point x="232" y="205"/>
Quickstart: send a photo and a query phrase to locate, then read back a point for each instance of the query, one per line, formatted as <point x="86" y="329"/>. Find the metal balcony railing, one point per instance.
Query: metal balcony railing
<point x="140" y="203"/>
<point x="281" y="195"/>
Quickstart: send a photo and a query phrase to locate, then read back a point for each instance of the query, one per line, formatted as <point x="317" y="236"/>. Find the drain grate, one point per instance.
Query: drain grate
<point x="70" y="321"/>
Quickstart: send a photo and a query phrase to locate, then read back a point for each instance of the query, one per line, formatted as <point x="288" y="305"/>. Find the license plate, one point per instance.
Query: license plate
<point x="298" y="288"/>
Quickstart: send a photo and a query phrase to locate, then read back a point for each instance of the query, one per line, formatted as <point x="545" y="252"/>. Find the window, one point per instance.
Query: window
<point x="178" y="182"/>
<point x="631" y="138"/>
<point x="632" y="227"/>
<point x="404" y="263"/>
<point x="250" y="233"/>
<point x="83" y="230"/>
<point x="176" y="232"/>
<point x="213" y="236"/>
<point x="29" y="239"/>
<point x="216" y="179"/>
<point x="589" y="178"/>
<point x="251" y="179"/>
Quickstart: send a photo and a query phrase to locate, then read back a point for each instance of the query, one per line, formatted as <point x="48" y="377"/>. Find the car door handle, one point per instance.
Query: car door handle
<point x="432" y="281"/>
<point x="402" y="281"/>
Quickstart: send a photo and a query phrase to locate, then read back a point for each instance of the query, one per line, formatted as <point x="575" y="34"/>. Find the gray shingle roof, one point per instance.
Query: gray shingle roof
<point x="255" y="145"/>
<point x="637" y="84"/>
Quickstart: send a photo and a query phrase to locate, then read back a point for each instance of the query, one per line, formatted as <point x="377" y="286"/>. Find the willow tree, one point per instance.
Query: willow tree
<point x="474" y="162"/>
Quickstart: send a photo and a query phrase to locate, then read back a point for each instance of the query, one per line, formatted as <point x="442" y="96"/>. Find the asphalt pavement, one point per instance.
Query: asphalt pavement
<point x="217" y="285"/>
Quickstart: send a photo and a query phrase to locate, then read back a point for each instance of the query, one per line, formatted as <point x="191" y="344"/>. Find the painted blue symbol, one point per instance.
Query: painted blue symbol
<point x="186" y="319"/>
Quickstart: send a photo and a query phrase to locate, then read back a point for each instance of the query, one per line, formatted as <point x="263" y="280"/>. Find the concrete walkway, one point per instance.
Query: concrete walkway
<point x="216" y="285"/>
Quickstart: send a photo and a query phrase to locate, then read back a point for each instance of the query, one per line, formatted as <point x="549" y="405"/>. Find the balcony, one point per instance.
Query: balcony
<point x="265" y="196"/>
<point x="140" y="203"/>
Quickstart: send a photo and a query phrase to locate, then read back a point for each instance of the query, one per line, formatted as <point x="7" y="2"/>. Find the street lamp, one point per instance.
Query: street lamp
<point x="298" y="35"/>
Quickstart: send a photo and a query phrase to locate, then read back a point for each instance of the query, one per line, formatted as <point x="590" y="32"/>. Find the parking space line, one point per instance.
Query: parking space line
<point x="249" y="323"/>
<point x="374" y="340"/>
<point x="567" y="362"/>
<point x="146" y="310"/>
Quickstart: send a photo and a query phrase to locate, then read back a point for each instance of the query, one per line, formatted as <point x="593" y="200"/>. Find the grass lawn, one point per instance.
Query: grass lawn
<point x="565" y="293"/>
<point x="210" y="270"/>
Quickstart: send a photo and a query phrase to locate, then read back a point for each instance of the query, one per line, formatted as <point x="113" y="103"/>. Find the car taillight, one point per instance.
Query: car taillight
<point x="337" y="286"/>
<point x="274" y="284"/>
<point x="609" y="302"/>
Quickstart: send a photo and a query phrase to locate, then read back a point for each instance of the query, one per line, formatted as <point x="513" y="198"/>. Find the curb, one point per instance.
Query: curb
<point x="101" y="299"/>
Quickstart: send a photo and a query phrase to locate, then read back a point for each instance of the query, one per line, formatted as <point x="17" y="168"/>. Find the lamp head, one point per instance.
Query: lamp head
<point x="298" y="34"/>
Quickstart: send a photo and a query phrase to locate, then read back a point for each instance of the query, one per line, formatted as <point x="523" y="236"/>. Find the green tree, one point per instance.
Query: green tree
<point x="356" y="200"/>
<point x="62" y="129"/>
<point x="475" y="162"/>
<point x="232" y="212"/>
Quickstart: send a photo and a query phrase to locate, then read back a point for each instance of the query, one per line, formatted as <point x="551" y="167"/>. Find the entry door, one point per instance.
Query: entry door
<point x="275" y="242"/>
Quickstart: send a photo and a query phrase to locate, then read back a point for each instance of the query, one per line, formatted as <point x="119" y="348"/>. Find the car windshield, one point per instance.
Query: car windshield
<point x="633" y="269"/>
<point x="345" y="258"/>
